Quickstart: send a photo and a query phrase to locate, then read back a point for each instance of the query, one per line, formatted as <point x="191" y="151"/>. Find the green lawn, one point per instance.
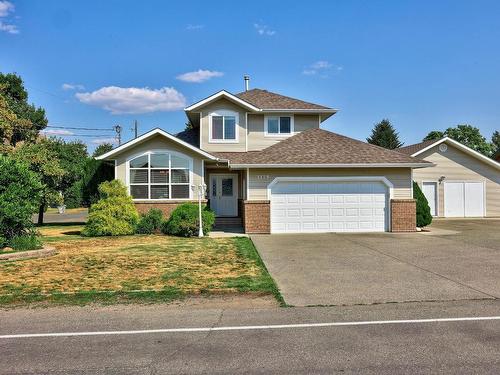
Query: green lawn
<point x="133" y="269"/>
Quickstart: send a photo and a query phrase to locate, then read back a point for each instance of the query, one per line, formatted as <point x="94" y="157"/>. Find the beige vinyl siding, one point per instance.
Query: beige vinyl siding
<point x="157" y="143"/>
<point x="261" y="178"/>
<point x="221" y="105"/>
<point x="455" y="165"/>
<point x="256" y="136"/>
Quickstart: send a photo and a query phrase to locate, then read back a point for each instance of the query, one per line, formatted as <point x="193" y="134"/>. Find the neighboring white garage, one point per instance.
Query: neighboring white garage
<point x="329" y="205"/>
<point x="463" y="183"/>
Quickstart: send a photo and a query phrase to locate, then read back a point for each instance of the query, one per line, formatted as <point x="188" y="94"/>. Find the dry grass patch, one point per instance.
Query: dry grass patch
<point x="136" y="263"/>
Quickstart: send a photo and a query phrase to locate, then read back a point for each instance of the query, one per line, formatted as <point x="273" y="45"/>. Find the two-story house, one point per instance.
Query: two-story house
<point x="265" y="160"/>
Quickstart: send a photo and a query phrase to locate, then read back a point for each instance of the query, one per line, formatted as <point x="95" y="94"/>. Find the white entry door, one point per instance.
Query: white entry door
<point x="463" y="199"/>
<point x="430" y="191"/>
<point x="328" y="206"/>
<point x="224" y="194"/>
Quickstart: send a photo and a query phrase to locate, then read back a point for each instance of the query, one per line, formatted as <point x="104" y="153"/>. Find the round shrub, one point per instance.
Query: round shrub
<point x="150" y="222"/>
<point x="114" y="214"/>
<point x="25" y="242"/>
<point x="20" y="191"/>
<point x="424" y="217"/>
<point x="184" y="221"/>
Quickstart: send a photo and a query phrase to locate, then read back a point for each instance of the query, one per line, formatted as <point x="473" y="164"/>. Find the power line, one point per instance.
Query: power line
<point x="75" y="128"/>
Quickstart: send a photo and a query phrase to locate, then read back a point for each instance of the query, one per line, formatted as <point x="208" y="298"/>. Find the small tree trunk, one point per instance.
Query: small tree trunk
<point x="41" y="210"/>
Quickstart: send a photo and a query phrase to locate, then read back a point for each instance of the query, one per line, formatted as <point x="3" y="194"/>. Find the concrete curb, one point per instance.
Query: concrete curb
<point x="46" y="251"/>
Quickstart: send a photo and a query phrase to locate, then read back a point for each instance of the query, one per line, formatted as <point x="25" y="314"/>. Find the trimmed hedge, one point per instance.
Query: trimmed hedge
<point x="424" y="217"/>
<point x="114" y="214"/>
<point x="184" y="221"/>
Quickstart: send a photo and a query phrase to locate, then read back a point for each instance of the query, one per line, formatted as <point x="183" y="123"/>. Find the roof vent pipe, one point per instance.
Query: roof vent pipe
<point x="247" y="81"/>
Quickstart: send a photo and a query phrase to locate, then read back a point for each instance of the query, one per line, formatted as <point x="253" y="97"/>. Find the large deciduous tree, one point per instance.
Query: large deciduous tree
<point x="102" y="149"/>
<point x="495" y="144"/>
<point x="30" y="118"/>
<point x="384" y="135"/>
<point x="467" y="135"/>
<point x="43" y="161"/>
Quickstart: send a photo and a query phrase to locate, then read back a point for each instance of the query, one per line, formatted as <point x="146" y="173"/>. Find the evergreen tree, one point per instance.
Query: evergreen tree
<point x="384" y="135"/>
<point x="424" y="217"/>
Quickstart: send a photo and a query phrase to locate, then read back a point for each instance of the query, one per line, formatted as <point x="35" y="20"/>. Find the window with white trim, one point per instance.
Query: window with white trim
<point x="223" y="126"/>
<point x="279" y="125"/>
<point x="160" y="175"/>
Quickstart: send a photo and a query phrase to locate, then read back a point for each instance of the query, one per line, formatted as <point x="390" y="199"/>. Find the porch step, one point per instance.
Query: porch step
<point x="228" y="221"/>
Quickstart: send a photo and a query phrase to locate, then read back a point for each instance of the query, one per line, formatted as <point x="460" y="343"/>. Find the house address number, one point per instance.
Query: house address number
<point x="262" y="177"/>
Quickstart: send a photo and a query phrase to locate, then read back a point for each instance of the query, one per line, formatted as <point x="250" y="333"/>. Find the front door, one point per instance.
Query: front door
<point x="224" y="194"/>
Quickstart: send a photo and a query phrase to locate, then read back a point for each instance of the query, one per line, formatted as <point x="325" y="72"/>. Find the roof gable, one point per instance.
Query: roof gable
<point x="222" y="94"/>
<point x="148" y="135"/>
<point x="420" y="148"/>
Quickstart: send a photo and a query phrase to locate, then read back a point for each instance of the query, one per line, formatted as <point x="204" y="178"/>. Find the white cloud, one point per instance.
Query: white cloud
<point x="6" y="7"/>
<point x="199" y="76"/>
<point x="263" y="29"/>
<point x="194" y="27"/>
<point x="9" y="28"/>
<point x="57" y="132"/>
<point x="72" y="86"/>
<point x="128" y="100"/>
<point x="321" y="67"/>
<point x="98" y="141"/>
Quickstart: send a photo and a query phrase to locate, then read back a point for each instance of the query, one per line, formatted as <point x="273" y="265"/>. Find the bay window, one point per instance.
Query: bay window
<point x="160" y="175"/>
<point x="223" y="126"/>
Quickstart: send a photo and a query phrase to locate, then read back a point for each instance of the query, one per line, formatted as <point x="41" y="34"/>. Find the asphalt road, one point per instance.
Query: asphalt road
<point x="406" y="347"/>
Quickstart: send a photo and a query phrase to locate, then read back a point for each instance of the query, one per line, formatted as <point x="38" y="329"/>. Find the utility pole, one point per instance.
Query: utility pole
<point x="134" y="129"/>
<point x="118" y="130"/>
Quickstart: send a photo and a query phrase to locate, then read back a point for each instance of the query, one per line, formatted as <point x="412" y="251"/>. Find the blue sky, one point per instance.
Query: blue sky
<point x="425" y="65"/>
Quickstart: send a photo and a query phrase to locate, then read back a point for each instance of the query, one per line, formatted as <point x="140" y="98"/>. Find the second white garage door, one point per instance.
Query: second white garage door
<point x="325" y="206"/>
<point x="463" y="199"/>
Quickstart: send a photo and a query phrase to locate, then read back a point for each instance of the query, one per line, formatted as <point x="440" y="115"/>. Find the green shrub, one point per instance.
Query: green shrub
<point x="424" y="217"/>
<point x="150" y="222"/>
<point x="114" y="214"/>
<point x="25" y="242"/>
<point x="184" y="221"/>
<point x="20" y="191"/>
<point x="3" y="242"/>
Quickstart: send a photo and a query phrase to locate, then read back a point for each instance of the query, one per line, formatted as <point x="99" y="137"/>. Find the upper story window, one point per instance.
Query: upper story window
<point x="223" y="127"/>
<point x="160" y="175"/>
<point x="278" y="125"/>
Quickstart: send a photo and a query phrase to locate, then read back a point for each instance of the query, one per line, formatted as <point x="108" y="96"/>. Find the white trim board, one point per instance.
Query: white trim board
<point x="461" y="147"/>
<point x="365" y="165"/>
<point x="222" y="93"/>
<point x="149" y="134"/>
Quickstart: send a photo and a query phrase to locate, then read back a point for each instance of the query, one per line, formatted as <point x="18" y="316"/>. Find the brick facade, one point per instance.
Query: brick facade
<point x="167" y="206"/>
<point x="257" y="216"/>
<point x="403" y="215"/>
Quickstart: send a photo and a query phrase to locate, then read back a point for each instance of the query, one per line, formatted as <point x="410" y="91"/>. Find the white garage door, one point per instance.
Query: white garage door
<point x="327" y="206"/>
<point x="463" y="199"/>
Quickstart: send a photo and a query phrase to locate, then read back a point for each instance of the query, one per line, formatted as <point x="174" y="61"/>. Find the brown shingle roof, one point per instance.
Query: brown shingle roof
<point x="411" y="149"/>
<point x="191" y="136"/>
<point x="318" y="146"/>
<point x="264" y="99"/>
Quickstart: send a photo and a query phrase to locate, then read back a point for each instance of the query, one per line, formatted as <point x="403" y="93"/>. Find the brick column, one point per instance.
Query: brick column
<point x="257" y="216"/>
<point x="403" y="215"/>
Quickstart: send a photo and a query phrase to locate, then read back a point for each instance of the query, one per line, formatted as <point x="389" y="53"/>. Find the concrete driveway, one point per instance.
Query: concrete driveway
<point x="457" y="260"/>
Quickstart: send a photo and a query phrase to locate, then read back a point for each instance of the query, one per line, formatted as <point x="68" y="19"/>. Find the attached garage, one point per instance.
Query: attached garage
<point x="463" y="199"/>
<point x="329" y="205"/>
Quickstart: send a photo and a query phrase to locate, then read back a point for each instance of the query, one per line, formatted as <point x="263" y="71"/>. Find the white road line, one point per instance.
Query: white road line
<point x="247" y="328"/>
